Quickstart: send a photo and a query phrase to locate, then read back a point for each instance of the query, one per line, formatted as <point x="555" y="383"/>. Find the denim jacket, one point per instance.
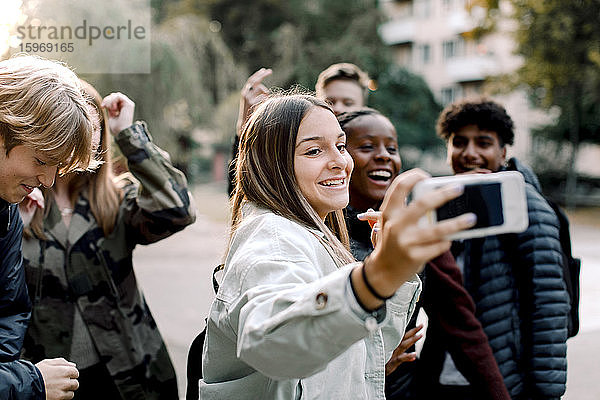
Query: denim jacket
<point x="285" y="323"/>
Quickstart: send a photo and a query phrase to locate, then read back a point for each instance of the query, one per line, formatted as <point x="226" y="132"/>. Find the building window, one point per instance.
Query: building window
<point x="451" y="94"/>
<point x="425" y="54"/>
<point x="446" y="5"/>
<point x="423" y="8"/>
<point x="453" y="48"/>
<point x="448" y="49"/>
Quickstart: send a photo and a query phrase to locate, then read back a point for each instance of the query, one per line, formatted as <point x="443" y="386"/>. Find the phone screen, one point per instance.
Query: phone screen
<point x="483" y="199"/>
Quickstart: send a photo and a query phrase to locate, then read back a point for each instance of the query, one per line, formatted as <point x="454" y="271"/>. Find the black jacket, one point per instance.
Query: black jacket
<point x="521" y="301"/>
<point x="359" y="233"/>
<point x="18" y="379"/>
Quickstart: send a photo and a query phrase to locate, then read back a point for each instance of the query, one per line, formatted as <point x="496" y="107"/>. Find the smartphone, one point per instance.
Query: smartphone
<point x="498" y="200"/>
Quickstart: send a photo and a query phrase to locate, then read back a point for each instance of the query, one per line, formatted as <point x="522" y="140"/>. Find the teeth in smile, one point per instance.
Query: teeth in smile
<point x="333" y="182"/>
<point x="381" y="173"/>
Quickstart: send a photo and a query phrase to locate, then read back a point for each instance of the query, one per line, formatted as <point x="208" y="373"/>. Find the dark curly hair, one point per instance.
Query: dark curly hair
<point x="485" y="114"/>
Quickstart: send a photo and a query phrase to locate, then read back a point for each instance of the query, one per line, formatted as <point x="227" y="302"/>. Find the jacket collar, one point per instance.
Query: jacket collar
<point x="82" y="221"/>
<point x="251" y="210"/>
<point x="3" y="205"/>
<point x="4" y="217"/>
<point x="358" y="230"/>
<point x="530" y="177"/>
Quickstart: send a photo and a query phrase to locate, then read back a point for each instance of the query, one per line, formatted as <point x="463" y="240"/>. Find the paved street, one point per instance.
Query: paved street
<point x="175" y="275"/>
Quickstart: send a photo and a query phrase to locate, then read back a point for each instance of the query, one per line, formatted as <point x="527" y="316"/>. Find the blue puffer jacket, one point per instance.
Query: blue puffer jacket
<point x="521" y="300"/>
<point x="19" y="380"/>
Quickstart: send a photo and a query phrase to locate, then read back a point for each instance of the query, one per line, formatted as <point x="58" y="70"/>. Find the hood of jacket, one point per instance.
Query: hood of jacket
<point x="514" y="164"/>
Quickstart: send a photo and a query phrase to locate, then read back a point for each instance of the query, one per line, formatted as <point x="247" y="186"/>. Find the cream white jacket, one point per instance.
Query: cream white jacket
<point x="285" y="323"/>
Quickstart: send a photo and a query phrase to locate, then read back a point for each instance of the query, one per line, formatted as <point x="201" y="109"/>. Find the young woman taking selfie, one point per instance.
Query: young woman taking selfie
<point x="295" y="315"/>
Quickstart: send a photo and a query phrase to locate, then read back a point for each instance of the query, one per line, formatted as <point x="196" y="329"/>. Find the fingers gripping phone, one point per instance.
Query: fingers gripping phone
<point x="498" y="200"/>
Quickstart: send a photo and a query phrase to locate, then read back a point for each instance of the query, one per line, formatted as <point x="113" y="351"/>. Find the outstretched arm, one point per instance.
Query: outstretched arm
<point x="273" y="307"/>
<point x="403" y="245"/>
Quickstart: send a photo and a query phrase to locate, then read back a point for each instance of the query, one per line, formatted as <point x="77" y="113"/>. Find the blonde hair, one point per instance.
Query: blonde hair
<point x="343" y="71"/>
<point x="103" y="193"/>
<point x="43" y="107"/>
<point x="265" y="170"/>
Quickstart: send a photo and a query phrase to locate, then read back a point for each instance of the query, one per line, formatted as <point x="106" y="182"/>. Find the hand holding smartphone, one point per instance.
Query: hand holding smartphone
<point x="497" y="199"/>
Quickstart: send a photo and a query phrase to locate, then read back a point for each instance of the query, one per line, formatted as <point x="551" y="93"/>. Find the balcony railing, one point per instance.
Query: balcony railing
<point x="398" y="31"/>
<point x="471" y="68"/>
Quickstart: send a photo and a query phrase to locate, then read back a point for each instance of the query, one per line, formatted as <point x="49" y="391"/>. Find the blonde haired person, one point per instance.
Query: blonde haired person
<point x="295" y="316"/>
<point x="78" y="256"/>
<point x="344" y="86"/>
<point x="46" y="126"/>
<point x="43" y="107"/>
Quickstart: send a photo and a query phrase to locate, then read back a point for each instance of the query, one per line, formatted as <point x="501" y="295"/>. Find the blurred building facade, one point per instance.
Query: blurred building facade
<point x="433" y="38"/>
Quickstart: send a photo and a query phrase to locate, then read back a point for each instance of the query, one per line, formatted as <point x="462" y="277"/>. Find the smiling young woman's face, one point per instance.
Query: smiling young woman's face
<point x="373" y="145"/>
<point x="322" y="165"/>
<point x="22" y="170"/>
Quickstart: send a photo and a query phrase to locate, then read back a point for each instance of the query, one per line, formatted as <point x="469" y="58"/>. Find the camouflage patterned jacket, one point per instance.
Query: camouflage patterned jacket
<point x="80" y="275"/>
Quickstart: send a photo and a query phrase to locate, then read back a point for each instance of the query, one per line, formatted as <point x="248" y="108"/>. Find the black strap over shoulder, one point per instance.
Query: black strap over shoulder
<point x="218" y="268"/>
<point x="571" y="267"/>
<point x="194" y="359"/>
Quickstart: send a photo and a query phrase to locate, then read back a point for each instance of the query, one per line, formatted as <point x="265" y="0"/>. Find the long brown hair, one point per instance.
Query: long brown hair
<point x="103" y="193"/>
<point x="265" y="170"/>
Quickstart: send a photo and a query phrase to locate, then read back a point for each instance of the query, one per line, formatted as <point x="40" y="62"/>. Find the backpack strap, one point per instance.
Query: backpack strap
<point x="218" y="268"/>
<point x="571" y="267"/>
<point x="194" y="359"/>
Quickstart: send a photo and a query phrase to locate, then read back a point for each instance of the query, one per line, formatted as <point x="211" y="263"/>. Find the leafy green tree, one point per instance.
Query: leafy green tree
<point x="203" y="51"/>
<point x="299" y="38"/>
<point x="406" y="99"/>
<point x="560" y="45"/>
<point x="192" y="71"/>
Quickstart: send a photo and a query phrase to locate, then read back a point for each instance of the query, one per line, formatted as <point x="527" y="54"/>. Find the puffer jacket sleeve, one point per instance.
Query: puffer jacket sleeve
<point x="21" y="380"/>
<point x="544" y="301"/>
<point x="18" y="379"/>
<point x="162" y="203"/>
